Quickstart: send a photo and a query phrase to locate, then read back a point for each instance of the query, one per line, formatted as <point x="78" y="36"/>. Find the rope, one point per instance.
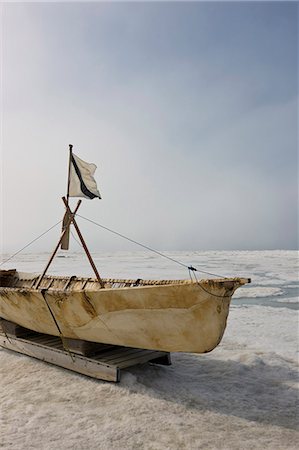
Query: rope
<point x="190" y="268"/>
<point x="64" y="343"/>
<point x="191" y="271"/>
<point x="19" y="251"/>
<point x="75" y="239"/>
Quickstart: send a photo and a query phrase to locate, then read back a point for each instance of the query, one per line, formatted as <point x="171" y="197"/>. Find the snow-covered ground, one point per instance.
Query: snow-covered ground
<point x="243" y="395"/>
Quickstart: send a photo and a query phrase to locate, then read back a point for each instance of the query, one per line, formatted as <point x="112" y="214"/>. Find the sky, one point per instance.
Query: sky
<point x="189" y="111"/>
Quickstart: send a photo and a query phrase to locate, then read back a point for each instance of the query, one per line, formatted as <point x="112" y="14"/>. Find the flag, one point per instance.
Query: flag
<point x="82" y="182"/>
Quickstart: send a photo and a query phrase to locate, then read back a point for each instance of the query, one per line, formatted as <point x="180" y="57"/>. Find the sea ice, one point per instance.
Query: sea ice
<point x="243" y="395"/>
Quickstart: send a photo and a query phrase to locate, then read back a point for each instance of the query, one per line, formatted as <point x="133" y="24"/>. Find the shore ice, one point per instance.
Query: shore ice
<point x="241" y="396"/>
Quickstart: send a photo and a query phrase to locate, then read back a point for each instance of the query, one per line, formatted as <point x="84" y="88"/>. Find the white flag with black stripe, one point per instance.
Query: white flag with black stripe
<point x="82" y="182"/>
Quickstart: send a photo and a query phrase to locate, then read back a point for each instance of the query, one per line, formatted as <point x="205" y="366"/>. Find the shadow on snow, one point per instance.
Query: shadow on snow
<point x="255" y="391"/>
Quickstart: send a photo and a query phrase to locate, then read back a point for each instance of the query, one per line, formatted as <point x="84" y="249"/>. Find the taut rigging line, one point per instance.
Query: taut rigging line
<point x="190" y="268"/>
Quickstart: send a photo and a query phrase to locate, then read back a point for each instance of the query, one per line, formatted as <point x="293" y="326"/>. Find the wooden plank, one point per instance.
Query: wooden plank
<point x="39" y="339"/>
<point x="81" y="347"/>
<point x="120" y="353"/>
<point x="125" y="356"/>
<point x="111" y="348"/>
<point x="164" y="360"/>
<point x="47" y="340"/>
<point x="56" y="344"/>
<point x="79" y="364"/>
<point x="107" y="352"/>
<point x="104" y="364"/>
<point x="42" y="339"/>
<point x="12" y="329"/>
<point x="140" y="359"/>
<point x="117" y="349"/>
<point x="135" y="357"/>
<point x="101" y="350"/>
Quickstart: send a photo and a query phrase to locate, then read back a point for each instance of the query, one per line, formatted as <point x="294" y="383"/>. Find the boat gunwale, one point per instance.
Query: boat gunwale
<point x="151" y="284"/>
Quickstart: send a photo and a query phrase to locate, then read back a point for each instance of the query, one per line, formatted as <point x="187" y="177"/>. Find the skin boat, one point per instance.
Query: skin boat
<point x="166" y="315"/>
<point x="169" y="315"/>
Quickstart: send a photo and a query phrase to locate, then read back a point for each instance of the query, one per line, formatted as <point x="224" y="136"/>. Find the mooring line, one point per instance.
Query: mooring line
<point x="190" y="268"/>
<point x="19" y="251"/>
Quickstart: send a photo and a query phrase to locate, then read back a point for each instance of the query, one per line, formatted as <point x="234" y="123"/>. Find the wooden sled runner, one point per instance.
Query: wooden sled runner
<point x="103" y="362"/>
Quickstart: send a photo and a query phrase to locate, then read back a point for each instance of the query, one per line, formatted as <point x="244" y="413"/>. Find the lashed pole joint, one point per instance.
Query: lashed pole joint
<point x="70" y="219"/>
<point x="67" y="223"/>
<point x="73" y="221"/>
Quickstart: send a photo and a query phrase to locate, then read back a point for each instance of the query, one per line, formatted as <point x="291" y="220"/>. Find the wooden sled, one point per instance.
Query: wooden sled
<point x="100" y="361"/>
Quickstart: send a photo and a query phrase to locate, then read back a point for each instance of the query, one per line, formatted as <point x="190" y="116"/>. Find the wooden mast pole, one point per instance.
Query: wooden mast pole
<point x="69" y="217"/>
<point x="69" y="173"/>
<point x="66" y="238"/>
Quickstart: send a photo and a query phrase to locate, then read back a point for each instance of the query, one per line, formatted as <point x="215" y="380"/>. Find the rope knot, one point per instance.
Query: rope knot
<point x="192" y="268"/>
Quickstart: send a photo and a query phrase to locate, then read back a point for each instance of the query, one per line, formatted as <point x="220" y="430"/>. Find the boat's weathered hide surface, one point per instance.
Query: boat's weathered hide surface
<point x="183" y="317"/>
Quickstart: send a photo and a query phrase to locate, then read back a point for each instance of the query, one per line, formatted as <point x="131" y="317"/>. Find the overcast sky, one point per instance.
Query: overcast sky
<point x="189" y="110"/>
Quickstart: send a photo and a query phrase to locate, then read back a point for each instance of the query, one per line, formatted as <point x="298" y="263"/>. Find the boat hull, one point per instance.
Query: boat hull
<point x="189" y="317"/>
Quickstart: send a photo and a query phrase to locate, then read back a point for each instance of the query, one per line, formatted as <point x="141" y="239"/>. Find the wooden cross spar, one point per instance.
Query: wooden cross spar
<point x="69" y="219"/>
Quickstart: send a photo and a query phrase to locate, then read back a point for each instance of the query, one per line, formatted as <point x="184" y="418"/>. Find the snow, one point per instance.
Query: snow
<point x="289" y="300"/>
<point x="253" y="292"/>
<point x="243" y="395"/>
